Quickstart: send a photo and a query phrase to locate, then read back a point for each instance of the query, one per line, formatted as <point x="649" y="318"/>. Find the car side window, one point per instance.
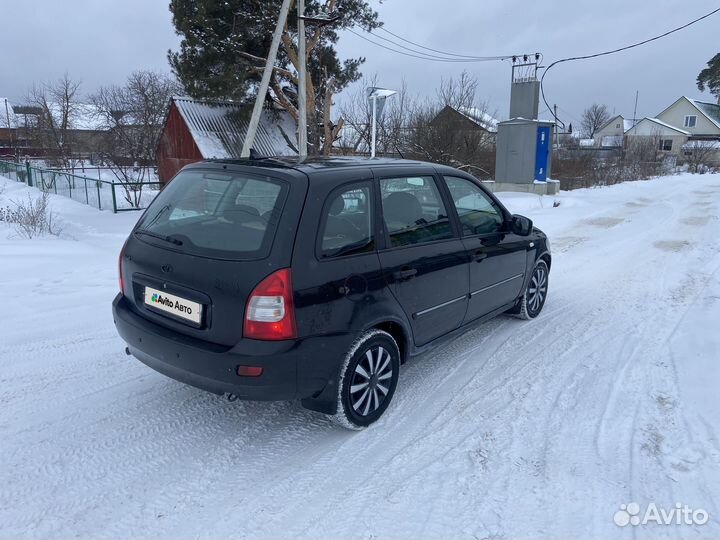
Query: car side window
<point x="413" y="211"/>
<point x="478" y="213"/>
<point x="347" y="222"/>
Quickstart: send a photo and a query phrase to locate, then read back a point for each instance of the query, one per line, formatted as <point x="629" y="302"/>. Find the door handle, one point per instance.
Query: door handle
<point x="480" y="255"/>
<point x="405" y="273"/>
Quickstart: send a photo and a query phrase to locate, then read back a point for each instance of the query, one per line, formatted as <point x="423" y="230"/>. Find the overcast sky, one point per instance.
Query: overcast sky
<point x="101" y="41"/>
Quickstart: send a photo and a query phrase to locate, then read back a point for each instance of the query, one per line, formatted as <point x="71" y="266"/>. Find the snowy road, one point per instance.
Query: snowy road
<point x="516" y="429"/>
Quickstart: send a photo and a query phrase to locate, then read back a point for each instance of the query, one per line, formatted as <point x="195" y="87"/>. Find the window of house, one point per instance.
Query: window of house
<point x="477" y="212"/>
<point x="413" y="211"/>
<point x="617" y="126"/>
<point x="690" y="120"/>
<point x="666" y="145"/>
<point x="347" y="219"/>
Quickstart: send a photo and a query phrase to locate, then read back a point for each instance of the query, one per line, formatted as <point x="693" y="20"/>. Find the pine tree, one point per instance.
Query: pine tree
<point x="710" y="77"/>
<point x="225" y="42"/>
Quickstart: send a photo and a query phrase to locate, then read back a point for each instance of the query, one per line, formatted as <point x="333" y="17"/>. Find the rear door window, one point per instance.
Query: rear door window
<point x="347" y="222"/>
<point x="217" y="214"/>
<point x="413" y="211"/>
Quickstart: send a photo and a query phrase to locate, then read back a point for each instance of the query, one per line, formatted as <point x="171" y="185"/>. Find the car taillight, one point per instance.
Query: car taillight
<point x="121" y="281"/>
<point x="270" y="314"/>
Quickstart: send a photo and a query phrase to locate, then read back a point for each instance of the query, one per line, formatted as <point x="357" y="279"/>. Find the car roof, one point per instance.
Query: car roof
<point x="316" y="168"/>
<point x="318" y="163"/>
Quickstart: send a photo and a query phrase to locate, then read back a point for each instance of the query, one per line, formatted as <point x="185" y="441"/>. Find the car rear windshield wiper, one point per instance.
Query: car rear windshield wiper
<point x="166" y="238"/>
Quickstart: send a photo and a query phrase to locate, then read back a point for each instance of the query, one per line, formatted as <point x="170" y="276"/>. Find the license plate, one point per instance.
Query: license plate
<point x="175" y="305"/>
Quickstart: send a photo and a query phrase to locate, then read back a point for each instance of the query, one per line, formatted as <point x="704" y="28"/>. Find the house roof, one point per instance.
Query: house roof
<point x="660" y="123"/>
<point x="219" y="127"/>
<point x="479" y="117"/>
<point x="710" y="110"/>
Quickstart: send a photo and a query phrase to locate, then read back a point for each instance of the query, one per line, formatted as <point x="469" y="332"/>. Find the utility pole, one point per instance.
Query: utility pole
<point x="374" y="125"/>
<point x="557" y="140"/>
<point x="265" y="81"/>
<point x="302" y="82"/>
<point x="637" y="94"/>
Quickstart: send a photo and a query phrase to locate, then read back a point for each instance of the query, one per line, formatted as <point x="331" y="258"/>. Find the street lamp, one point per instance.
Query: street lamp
<point x="377" y="97"/>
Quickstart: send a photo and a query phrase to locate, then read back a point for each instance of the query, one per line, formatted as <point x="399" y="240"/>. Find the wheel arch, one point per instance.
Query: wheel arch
<point x="545" y="256"/>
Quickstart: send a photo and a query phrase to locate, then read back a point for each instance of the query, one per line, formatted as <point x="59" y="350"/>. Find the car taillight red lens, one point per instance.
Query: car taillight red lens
<point x="270" y="314"/>
<point x="121" y="280"/>
<point x="120" y="273"/>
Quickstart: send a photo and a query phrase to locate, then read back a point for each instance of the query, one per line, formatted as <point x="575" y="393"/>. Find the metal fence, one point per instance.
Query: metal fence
<point x="102" y="194"/>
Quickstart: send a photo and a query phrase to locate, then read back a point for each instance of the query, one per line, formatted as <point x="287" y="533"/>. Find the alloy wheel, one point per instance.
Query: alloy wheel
<point x="537" y="290"/>
<point x="370" y="384"/>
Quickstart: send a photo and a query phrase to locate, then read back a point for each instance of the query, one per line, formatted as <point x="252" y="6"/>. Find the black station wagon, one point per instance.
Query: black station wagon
<point x="278" y="280"/>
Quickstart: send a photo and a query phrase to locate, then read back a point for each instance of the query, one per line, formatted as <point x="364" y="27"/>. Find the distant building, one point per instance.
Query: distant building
<point x="467" y="119"/>
<point x="612" y="133"/>
<point x="669" y="139"/>
<point x="195" y="130"/>
<point x="22" y="133"/>
<point x="679" y="126"/>
<point x="701" y="119"/>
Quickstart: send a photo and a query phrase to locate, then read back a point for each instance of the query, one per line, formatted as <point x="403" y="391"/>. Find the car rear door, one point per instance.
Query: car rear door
<point x="498" y="256"/>
<point x="423" y="259"/>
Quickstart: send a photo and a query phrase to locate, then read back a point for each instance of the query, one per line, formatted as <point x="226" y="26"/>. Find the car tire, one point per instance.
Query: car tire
<point x="368" y="379"/>
<point x="533" y="299"/>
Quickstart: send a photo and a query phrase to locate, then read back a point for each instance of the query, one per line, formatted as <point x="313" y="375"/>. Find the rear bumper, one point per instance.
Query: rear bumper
<point x="294" y="369"/>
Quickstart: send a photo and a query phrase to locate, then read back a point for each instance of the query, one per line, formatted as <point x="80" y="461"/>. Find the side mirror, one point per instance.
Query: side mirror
<point x="521" y="225"/>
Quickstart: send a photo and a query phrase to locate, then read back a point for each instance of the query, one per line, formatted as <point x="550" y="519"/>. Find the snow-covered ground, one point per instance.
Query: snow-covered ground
<point x="516" y="429"/>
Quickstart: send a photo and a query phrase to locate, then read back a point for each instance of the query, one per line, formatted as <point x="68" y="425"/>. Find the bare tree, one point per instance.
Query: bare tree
<point x="456" y="129"/>
<point x="593" y="118"/>
<point x="700" y="155"/>
<point x="58" y="105"/>
<point x="411" y="127"/>
<point x="133" y="115"/>
<point x="393" y="125"/>
<point x="459" y="93"/>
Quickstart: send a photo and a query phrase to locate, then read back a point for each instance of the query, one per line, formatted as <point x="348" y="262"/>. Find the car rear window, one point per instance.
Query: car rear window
<point x="217" y="214"/>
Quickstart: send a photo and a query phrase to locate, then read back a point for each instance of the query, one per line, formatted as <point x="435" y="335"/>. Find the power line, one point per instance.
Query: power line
<point x="605" y="53"/>
<point x="439" y="51"/>
<point x="424" y="56"/>
<point x="446" y="55"/>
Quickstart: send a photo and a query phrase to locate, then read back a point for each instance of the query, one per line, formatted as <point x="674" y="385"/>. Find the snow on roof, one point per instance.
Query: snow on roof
<point x="661" y="123"/>
<point x="480" y="117"/>
<point x="83" y="116"/>
<point x="701" y="144"/>
<point x="628" y="124"/>
<point x="5" y="113"/>
<point x="219" y="128"/>
<point x="710" y="110"/>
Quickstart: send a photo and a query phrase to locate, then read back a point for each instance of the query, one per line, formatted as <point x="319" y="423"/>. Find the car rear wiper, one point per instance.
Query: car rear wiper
<point x="166" y="238"/>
